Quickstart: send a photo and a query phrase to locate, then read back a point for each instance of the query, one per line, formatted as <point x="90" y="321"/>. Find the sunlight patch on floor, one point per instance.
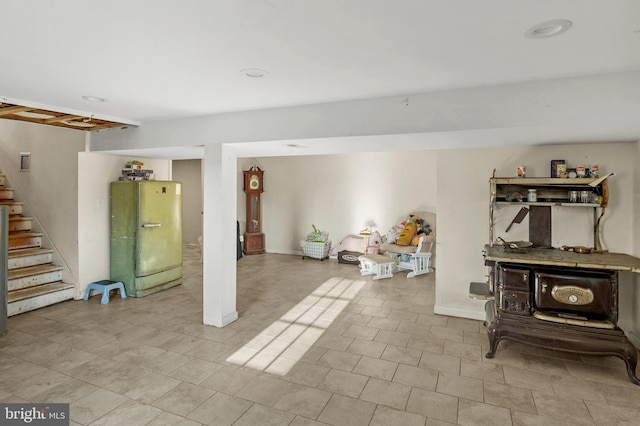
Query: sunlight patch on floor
<point x="281" y="345"/>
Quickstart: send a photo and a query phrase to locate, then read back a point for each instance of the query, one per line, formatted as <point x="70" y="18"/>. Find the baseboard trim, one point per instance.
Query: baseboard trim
<point x="226" y="320"/>
<point x="291" y="252"/>
<point x="460" y="313"/>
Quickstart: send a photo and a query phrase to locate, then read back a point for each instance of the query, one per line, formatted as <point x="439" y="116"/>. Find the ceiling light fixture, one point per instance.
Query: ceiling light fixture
<point x="93" y="98"/>
<point x="254" y="73"/>
<point x="549" y="28"/>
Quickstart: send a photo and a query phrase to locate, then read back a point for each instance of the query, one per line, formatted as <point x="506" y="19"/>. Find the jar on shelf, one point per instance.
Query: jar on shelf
<point x="573" y="196"/>
<point x="532" y="195"/>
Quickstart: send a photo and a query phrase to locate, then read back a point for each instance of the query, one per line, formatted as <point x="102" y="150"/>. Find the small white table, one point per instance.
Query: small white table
<point x="377" y="264"/>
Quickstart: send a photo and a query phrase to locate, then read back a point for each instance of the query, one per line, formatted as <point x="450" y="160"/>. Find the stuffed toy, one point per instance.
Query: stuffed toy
<point x="375" y="239"/>
<point x="407" y="234"/>
<point x="392" y="234"/>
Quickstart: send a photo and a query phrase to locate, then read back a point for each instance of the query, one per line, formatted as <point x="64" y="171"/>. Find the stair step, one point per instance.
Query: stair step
<point x="38" y="297"/>
<point x="23" y="239"/>
<point x="19" y="279"/>
<point x="15" y="207"/>
<point x="24" y="258"/>
<point x="19" y="223"/>
<point x="6" y="193"/>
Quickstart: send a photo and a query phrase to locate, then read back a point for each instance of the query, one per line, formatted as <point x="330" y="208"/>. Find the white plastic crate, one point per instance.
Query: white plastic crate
<point x="315" y="250"/>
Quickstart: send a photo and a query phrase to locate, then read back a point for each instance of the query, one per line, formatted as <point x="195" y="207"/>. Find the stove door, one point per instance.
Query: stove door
<point x="586" y="293"/>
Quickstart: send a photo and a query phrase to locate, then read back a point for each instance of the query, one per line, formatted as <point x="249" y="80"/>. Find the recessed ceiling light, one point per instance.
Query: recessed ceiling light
<point x="549" y="28"/>
<point x="254" y="73"/>
<point x="93" y="98"/>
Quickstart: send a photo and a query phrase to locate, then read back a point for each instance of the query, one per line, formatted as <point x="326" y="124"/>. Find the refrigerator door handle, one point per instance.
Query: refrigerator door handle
<point x="151" y="225"/>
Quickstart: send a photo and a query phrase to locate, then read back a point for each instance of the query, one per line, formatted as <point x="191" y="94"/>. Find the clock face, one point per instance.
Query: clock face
<point x="254" y="182"/>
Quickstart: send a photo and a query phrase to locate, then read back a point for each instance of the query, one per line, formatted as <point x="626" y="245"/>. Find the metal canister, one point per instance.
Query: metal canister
<point x="580" y="171"/>
<point x="594" y="171"/>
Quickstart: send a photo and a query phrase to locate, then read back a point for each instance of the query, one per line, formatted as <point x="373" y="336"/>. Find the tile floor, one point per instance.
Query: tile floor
<point x="386" y="359"/>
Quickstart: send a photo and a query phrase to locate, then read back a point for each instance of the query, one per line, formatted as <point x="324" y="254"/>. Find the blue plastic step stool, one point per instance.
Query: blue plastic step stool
<point x="104" y="287"/>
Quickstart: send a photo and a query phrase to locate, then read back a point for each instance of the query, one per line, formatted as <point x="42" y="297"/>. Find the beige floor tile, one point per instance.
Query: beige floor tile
<point x="64" y="353"/>
<point x="520" y="418"/>
<point x="340" y="360"/>
<point x="95" y="405"/>
<point x="344" y="383"/>
<point x="342" y="410"/>
<point x="220" y="409"/>
<point x="384" y="323"/>
<point x="392" y="338"/>
<point x="366" y="347"/>
<point x="482" y="370"/>
<point x="306" y="374"/>
<point x="183" y="399"/>
<point x="303" y="421"/>
<point x="375" y="311"/>
<point x="209" y="350"/>
<point x="605" y="414"/>
<point x="443" y="363"/>
<point x="386" y="393"/>
<point x="304" y="401"/>
<point x="360" y="332"/>
<point x="556" y="406"/>
<point x="427" y="343"/>
<point x="385" y="416"/>
<point x="472" y="413"/>
<point x="447" y="333"/>
<point x="469" y="351"/>
<point x="528" y="379"/>
<point x="265" y="390"/>
<point x="150" y="388"/>
<point x="195" y="371"/>
<point x="264" y="416"/>
<point x="229" y="380"/>
<point x="131" y="413"/>
<point x="335" y="342"/>
<point x="463" y="387"/>
<point x="416" y="377"/>
<point x="402" y="355"/>
<point x="377" y="368"/>
<point x="31" y="386"/>
<point x="622" y="396"/>
<point x="579" y="389"/>
<point x="509" y="397"/>
<point x="67" y="392"/>
<point x="169" y="419"/>
<point x="433" y="405"/>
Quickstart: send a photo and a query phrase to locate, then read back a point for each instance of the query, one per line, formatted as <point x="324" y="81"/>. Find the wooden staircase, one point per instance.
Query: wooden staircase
<point x="33" y="280"/>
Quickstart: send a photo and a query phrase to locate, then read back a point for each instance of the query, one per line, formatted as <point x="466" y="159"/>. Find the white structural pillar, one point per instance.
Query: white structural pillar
<point x="219" y="235"/>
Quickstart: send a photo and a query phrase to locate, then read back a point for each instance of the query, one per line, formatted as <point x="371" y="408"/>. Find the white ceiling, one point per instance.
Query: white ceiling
<point x="166" y="59"/>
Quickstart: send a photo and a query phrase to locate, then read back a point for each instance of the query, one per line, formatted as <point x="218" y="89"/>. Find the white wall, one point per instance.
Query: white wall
<point x="629" y="296"/>
<point x="339" y="194"/>
<point x="463" y="210"/>
<point x="95" y="172"/>
<point x="49" y="190"/>
<point x="189" y="173"/>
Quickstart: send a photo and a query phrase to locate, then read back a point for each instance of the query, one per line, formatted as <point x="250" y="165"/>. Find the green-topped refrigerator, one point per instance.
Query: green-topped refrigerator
<point x="146" y="235"/>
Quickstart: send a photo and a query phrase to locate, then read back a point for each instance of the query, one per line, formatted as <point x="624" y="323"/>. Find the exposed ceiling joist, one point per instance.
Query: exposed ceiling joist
<point x="53" y="118"/>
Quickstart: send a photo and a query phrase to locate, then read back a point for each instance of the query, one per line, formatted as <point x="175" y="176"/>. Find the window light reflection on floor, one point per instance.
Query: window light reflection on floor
<point x="281" y="345"/>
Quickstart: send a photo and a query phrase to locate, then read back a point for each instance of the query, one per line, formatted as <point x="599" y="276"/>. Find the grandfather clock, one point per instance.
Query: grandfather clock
<point x="253" y="237"/>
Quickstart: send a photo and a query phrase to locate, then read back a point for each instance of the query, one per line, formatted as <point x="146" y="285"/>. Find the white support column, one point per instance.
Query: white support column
<point x="219" y="235"/>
